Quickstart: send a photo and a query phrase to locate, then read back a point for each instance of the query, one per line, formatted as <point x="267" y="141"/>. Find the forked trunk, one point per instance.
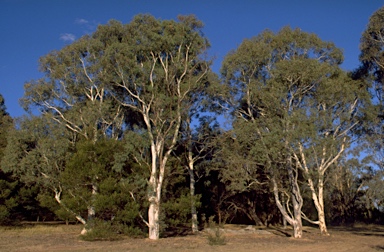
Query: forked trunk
<point x="297" y="201"/>
<point x="296" y="220"/>
<point x="318" y="200"/>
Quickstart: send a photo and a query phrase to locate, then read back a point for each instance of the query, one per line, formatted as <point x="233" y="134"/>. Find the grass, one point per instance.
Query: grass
<point x="39" y="238"/>
<point x="33" y="229"/>
<point x="217" y="238"/>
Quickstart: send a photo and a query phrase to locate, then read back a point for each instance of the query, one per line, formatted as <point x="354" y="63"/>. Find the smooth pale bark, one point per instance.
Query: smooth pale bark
<point x="295" y="220"/>
<point x="158" y="165"/>
<point x="153" y="220"/>
<point x="192" y="191"/>
<point x="318" y="193"/>
<point x="156" y="83"/>
<point x="190" y="167"/>
<point x="297" y="203"/>
<point x="157" y="133"/>
<point x="191" y="158"/>
<point x="78" y="217"/>
<point x="318" y="200"/>
<point x="85" y="110"/>
<point x="154" y="196"/>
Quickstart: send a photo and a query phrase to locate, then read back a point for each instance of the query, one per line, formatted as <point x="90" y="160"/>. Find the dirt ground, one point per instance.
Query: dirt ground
<point x="66" y="238"/>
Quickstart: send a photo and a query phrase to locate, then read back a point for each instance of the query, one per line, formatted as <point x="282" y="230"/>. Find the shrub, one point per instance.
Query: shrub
<point x="217" y="237"/>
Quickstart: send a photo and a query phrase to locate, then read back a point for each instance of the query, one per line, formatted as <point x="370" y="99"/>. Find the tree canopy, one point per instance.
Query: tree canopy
<point x="126" y="132"/>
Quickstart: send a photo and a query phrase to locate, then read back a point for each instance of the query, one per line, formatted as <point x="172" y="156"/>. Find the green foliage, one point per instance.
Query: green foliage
<point x="371" y="46"/>
<point x="19" y="202"/>
<point x="102" y="231"/>
<point x="47" y="201"/>
<point x="114" y="101"/>
<point x="37" y="151"/>
<point x="17" y="199"/>
<point x="7" y="201"/>
<point x="90" y="163"/>
<point x="7" y="184"/>
<point x="294" y="111"/>
<point x="371" y="135"/>
<point x="90" y="167"/>
<point x="148" y="67"/>
<point x="115" y="201"/>
<point x="177" y="199"/>
<point x="177" y="210"/>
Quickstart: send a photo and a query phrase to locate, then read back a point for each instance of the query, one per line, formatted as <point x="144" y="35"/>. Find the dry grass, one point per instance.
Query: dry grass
<point x="66" y="238"/>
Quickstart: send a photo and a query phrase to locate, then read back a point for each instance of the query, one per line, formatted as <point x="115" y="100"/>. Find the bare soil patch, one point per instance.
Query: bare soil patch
<point x="66" y="238"/>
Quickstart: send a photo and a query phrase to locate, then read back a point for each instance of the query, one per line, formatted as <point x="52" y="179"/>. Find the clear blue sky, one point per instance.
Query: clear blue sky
<point x="32" y="28"/>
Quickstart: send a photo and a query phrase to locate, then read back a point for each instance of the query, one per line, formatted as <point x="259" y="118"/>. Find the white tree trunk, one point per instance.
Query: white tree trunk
<point x="320" y="206"/>
<point x="159" y="158"/>
<point x="297" y="228"/>
<point x="297" y="201"/>
<point x="153" y="220"/>
<point x="323" y="165"/>
<point x="155" y="186"/>
<point x="153" y="193"/>
<point x="78" y="217"/>
<point x="295" y="221"/>
<point x="192" y="193"/>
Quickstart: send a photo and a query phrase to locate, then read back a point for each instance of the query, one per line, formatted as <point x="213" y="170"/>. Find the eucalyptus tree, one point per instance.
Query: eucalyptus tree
<point x="97" y="166"/>
<point x="73" y="93"/>
<point x="36" y="154"/>
<point x="5" y="125"/>
<point x="198" y="131"/>
<point x="245" y="178"/>
<point x="7" y="183"/>
<point x="371" y="46"/>
<point x="372" y="59"/>
<point x="296" y="107"/>
<point x="328" y="125"/>
<point x="196" y="145"/>
<point x="153" y="66"/>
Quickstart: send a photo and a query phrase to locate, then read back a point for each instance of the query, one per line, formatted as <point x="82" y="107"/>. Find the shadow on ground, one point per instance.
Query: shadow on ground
<point x="363" y="231"/>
